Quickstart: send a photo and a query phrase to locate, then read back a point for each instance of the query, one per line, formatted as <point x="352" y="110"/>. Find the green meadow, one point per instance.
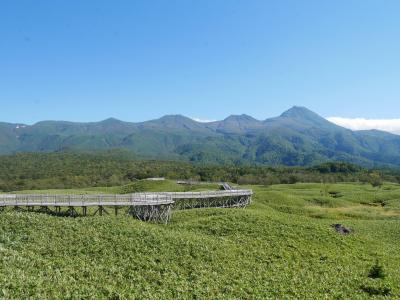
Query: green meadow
<point x="280" y="247"/>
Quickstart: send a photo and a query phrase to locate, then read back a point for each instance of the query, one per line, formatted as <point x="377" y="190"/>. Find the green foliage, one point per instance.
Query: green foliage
<point x="377" y="271"/>
<point x="325" y="188"/>
<point x="281" y="247"/>
<point x="337" y="167"/>
<point x="374" y="289"/>
<point x="375" y="180"/>
<point x="30" y="171"/>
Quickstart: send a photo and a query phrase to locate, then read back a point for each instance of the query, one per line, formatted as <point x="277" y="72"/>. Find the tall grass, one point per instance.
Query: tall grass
<point x="281" y="247"/>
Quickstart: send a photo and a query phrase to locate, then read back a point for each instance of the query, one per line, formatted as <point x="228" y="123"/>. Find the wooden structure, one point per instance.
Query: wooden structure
<point x="144" y="206"/>
<point x="225" y="199"/>
<point x="153" y="207"/>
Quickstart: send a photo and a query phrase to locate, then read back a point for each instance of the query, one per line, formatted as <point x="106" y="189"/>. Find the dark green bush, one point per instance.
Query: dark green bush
<point x="376" y="290"/>
<point x="377" y="271"/>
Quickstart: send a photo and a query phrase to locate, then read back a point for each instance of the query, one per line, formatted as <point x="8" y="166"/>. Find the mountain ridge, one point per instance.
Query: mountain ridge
<point x="298" y="136"/>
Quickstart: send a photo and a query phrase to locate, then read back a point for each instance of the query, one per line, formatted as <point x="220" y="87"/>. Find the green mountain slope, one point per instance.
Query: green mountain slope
<point x="297" y="137"/>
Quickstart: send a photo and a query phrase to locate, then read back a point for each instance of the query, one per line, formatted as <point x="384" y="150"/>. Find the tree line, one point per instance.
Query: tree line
<point x="29" y="171"/>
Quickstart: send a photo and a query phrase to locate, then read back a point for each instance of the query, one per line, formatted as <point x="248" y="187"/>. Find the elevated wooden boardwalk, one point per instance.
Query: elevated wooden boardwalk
<point x="227" y="198"/>
<point x="145" y="206"/>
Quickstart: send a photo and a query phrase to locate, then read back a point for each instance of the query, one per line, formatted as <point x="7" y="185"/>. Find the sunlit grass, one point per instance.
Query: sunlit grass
<point x="281" y="247"/>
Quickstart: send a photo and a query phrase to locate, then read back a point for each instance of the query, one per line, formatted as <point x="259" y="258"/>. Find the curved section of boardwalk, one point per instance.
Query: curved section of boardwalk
<point x="227" y="198"/>
<point x="145" y="206"/>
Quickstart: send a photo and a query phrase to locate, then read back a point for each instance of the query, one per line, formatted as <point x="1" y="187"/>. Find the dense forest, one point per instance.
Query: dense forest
<point x="28" y="171"/>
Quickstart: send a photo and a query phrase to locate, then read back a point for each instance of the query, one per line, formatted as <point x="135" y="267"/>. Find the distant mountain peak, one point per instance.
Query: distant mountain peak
<point x="174" y="122"/>
<point x="305" y="117"/>
<point x="174" y="118"/>
<point x="240" y="118"/>
<point x="111" y="120"/>
<point x="238" y="124"/>
<point x="299" y="112"/>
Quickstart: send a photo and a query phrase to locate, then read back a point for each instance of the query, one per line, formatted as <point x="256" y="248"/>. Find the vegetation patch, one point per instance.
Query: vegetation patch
<point x="376" y="289"/>
<point x="377" y="271"/>
<point x="66" y="170"/>
<point x="273" y="249"/>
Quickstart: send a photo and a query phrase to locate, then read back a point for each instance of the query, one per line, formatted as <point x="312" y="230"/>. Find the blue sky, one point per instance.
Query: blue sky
<point x="138" y="60"/>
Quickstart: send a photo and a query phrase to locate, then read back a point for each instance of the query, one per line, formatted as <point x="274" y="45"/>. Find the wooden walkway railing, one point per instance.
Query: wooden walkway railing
<point x="145" y="206"/>
<point x="84" y="200"/>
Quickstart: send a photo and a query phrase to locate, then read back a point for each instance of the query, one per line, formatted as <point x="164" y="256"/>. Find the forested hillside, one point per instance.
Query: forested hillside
<point x="299" y="137"/>
<point x="27" y="171"/>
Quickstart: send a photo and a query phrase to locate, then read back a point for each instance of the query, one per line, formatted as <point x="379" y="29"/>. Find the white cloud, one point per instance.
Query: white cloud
<point x="390" y="125"/>
<point x="202" y="120"/>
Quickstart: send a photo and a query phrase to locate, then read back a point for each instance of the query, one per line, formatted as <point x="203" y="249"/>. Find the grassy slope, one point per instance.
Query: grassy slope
<point x="282" y="246"/>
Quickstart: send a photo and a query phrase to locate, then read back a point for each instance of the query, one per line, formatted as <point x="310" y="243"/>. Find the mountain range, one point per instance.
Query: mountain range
<point x="297" y="137"/>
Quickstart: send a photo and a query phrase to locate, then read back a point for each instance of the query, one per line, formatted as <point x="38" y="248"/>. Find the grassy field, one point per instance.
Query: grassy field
<point x="281" y="247"/>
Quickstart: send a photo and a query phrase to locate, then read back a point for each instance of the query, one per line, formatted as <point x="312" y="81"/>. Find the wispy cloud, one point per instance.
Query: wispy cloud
<point x="390" y="125"/>
<point x="203" y="120"/>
